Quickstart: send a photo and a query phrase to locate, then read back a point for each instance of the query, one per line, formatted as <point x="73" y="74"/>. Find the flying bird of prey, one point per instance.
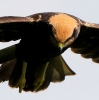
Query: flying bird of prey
<point x="36" y="60"/>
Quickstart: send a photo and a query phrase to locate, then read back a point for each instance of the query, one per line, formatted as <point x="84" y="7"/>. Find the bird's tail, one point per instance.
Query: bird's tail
<point x="11" y="71"/>
<point x="7" y="55"/>
<point x="56" y="72"/>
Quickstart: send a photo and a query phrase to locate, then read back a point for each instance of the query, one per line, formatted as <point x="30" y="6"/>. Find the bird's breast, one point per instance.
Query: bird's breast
<point x="38" y="53"/>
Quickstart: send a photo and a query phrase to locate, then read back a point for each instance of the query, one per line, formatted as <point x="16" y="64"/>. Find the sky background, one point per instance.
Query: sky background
<point x="85" y="84"/>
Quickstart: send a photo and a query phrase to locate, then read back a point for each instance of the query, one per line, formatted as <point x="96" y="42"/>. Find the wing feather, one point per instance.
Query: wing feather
<point x="87" y="43"/>
<point x="12" y="28"/>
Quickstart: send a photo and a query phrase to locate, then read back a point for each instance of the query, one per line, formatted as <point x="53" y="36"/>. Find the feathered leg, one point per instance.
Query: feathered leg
<point x="40" y="76"/>
<point x="21" y="82"/>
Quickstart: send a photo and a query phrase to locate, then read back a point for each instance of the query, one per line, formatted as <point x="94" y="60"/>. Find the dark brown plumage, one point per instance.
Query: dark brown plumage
<point x="36" y="60"/>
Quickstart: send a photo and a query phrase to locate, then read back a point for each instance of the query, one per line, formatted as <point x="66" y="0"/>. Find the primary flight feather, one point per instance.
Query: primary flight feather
<point x="36" y="60"/>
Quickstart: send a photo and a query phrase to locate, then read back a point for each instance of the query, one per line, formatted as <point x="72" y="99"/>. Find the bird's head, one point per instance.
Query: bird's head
<point x="65" y="30"/>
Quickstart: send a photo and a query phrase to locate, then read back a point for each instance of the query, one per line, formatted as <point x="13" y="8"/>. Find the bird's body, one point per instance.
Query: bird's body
<point x="44" y="37"/>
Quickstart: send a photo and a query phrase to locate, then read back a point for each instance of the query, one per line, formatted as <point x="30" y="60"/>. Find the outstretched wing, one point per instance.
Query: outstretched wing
<point x="87" y="43"/>
<point x="12" y="28"/>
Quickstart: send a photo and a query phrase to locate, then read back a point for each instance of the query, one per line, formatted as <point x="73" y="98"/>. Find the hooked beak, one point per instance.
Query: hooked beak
<point x="60" y="45"/>
<point x="66" y="44"/>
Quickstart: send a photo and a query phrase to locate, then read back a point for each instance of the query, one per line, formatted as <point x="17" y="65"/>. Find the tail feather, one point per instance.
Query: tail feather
<point x="61" y="69"/>
<point x="16" y="73"/>
<point x="6" y="70"/>
<point x="56" y="72"/>
<point x="11" y="71"/>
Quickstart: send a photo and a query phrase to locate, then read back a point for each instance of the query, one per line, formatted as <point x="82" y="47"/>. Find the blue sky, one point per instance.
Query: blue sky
<point x="85" y="84"/>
